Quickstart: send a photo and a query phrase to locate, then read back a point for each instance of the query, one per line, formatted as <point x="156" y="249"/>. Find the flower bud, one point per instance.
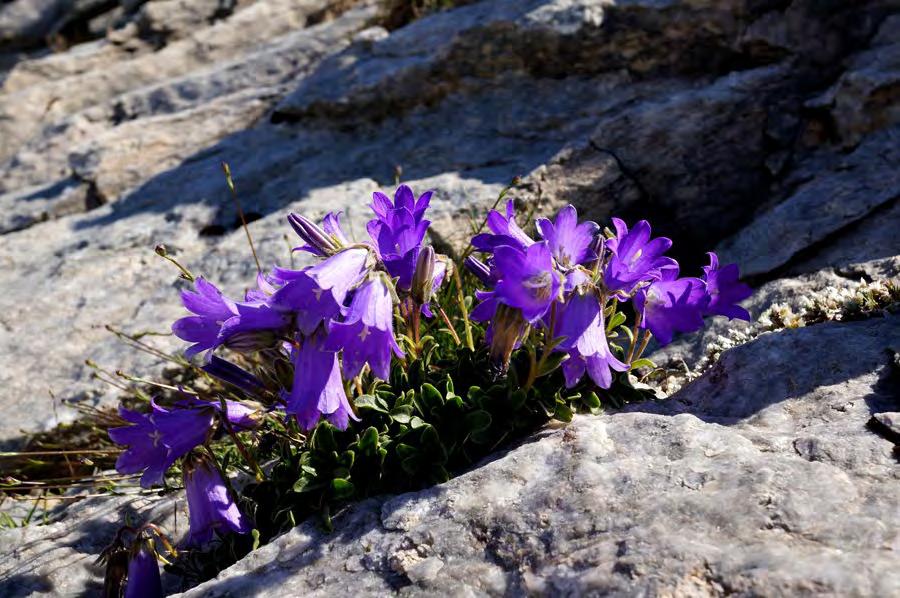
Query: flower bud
<point x="143" y="570"/>
<point x="423" y="278"/>
<point x="479" y="269"/>
<point x="317" y="240"/>
<point x="251" y="340"/>
<point x="506" y="333"/>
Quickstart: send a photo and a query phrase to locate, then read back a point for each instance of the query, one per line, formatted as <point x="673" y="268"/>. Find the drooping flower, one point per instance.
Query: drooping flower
<point x="528" y="280"/>
<point x="143" y="571"/>
<point x="724" y="290"/>
<point x="505" y="329"/>
<point x="581" y="322"/>
<point x="398" y="230"/>
<point x="570" y="242"/>
<point x="156" y="440"/>
<point x="504" y="231"/>
<point x="634" y="258"/>
<point x="211" y="507"/>
<point x="481" y="270"/>
<point x="317" y="294"/>
<point x="318" y="389"/>
<point x="367" y="333"/>
<point x="670" y="305"/>
<point x="212" y="310"/>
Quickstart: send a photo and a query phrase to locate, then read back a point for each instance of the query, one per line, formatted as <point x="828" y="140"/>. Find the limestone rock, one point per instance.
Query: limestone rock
<point x="759" y="478"/>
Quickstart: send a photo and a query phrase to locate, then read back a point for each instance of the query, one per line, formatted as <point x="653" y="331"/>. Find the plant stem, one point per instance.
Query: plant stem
<point x="634" y="335"/>
<point x="461" y="299"/>
<point x="644" y="341"/>
<point x="240" y="210"/>
<point x="447" y="322"/>
<point x="238" y="443"/>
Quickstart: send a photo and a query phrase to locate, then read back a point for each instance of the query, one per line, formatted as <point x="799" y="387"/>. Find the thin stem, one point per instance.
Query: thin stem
<point x="634" y="335"/>
<point x="644" y="341"/>
<point x="54" y="453"/>
<point x="242" y="449"/>
<point x="460" y="298"/>
<point x="447" y="322"/>
<point x="240" y="210"/>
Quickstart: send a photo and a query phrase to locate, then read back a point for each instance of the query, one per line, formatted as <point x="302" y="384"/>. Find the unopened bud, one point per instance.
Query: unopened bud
<point x="317" y="240"/>
<point x="143" y="570"/>
<point x="161" y="250"/>
<point x="479" y="269"/>
<point x="423" y="278"/>
<point x="250" y="341"/>
<point x="507" y="328"/>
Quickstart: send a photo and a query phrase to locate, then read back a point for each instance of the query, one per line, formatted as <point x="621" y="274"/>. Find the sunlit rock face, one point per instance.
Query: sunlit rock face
<point x="768" y="130"/>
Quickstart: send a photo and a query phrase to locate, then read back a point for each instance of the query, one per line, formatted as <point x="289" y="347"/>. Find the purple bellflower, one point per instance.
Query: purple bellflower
<point x="318" y="389"/>
<point x="143" y="571"/>
<point x="367" y="333"/>
<point x="581" y="323"/>
<point x="528" y="280"/>
<point x="398" y="230"/>
<point x="156" y="440"/>
<point x="235" y="375"/>
<point x="504" y="231"/>
<point x="211" y="507"/>
<point x="635" y="258"/>
<point x="570" y="242"/>
<point x="317" y="294"/>
<point x="322" y="241"/>
<point x="212" y="310"/>
<point x="670" y="305"/>
<point x="724" y="290"/>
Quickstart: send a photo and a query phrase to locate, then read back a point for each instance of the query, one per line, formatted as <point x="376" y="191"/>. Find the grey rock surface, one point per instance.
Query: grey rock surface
<point x="761" y="478"/>
<point x="765" y="129"/>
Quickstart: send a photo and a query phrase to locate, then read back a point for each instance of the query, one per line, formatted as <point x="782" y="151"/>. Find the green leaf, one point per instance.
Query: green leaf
<point x="591" y="400"/>
<point x="255" y="533"/>
<point x="478" y="421"/>
<point x="628" y="333"/>
<point x="308" y="469"/>
<point x="643" y="363"/>
<point x="431" y="397"/>
<point x="405" y="451"/>
<point x="563" y="412"/>
<point x="517" y="399"/>
<point x="370" y="402"/>
<point x="342" y="488"/>
<point x="402" y="414"/>
<point x="614" y="322"/>
<point x="369" y="439"/>
<point x="551" y="363"/>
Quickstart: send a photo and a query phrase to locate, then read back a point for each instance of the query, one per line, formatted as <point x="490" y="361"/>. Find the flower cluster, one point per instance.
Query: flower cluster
<point x="332" y="321"/>
<point x="318" y="347"/>
<point x="572" y="278"/>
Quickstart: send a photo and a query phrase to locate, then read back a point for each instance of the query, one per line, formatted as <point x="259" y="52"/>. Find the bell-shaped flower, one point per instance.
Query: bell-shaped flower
<point x="323" y="241"/>
<point x="671" y="305"/>
<point x="580" y="322"/>
<point x="211" y="506"/>
<point x="528" y="280"/>
<point x="504" y="231"/>
<point x="234" y="375"/>
<point x="212" y="310"/>
<point x="570" y="242"/>
<point x="157" y="439"/>
<point x="398" y="230"/>
<point x="318" y="389"/>
<point x="634" y="257"/>
<point x="367" y="333"/>
<point x="724" y="290"/>
<point x="143" y="579"/>
<point x="317" y="294"/>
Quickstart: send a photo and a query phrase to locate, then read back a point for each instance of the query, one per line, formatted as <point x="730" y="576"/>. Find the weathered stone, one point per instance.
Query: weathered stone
<point x="24" y="23"/>
<point x="760" y="478"/>
<point x="854" y="185"/>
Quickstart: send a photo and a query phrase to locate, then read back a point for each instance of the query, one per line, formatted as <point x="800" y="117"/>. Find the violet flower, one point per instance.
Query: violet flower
<point x="724" y="290"/>
<point x="581" y="322"/>
<point x="156" y="440"/>
<point x="211" y="507"/>
<point x="504" y="231"/>
<point x="398" y="230"/>
<point x="143" y="571"/>
<point x="367" y="333"/>
<point x="634" y="257"/>
<point x="570" y="242"/>
<point x="528" y="280"/>
<point x="212" y="310"/>
<point x="670" y="305"/>
<point x="323" y="241"/>
<point x="318" y="388"/>
<point x="317" y="294"/>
